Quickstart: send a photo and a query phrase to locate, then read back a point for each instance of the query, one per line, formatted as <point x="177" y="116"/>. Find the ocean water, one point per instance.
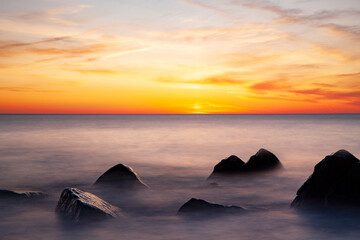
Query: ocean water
<point x="173" y="154"/>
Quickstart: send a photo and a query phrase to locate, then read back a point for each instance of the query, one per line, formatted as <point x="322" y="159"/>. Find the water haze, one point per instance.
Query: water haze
<point x="173" y="154"/>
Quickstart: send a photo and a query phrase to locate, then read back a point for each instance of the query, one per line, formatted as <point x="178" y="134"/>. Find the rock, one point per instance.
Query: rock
<point x="201" y="207"/>
<point x="334" y="183"/>
<point x="263" y="160"/>
<point x="230" y="165"/>
<point x="120" y="176"/>
<point x="20" y="195"/>
<point x="79" y="206"/>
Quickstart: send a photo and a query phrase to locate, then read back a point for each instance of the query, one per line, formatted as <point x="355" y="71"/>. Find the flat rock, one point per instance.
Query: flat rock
<point x="21" y="195"/>
<point x="201" y="207"/>
<point x="263" y="160"/>
<point x="335" y="183"/>
<point x="79" y="206"/>
<point x="120" y="176"/>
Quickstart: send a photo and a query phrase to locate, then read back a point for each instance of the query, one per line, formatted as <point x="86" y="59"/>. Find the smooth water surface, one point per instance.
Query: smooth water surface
<point x="173" y="154"/>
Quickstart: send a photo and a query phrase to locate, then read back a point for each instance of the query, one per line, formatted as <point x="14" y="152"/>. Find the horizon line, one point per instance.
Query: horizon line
<point x="178" y="113"/>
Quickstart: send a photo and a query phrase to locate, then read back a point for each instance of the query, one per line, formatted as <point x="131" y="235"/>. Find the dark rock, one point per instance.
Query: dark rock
<point x="334" y="183"/>
<point x="263" y="160"/>
<point x="21" y="195"/>
<point x="79" y="206"/>
<point x="201" y="207"/>
<point x="229" y="166"/>
<point x="232" y="164"/>
<point x="120" y="176"/>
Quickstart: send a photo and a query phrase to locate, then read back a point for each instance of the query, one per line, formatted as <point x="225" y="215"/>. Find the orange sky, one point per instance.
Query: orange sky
<point x="180" y="56"/>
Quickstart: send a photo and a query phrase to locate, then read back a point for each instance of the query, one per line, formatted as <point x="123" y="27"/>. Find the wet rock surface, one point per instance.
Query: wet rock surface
<point x="201" y="207"/>
<point x="79" y="206"/>
<point x="20" y="195"/>
<point x="335" y="183"/>
<point x="120" y="176"/>
<point x="263" y="160"/>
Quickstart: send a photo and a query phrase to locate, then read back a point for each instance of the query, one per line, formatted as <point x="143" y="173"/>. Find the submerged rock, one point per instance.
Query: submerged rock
<point x="10" y="194"/>
<point x="263" y="160"/>
<point x="201" y="207"/>
<point x="334" y="183"/>
<point x="120" y="176"/>
<point x="80" y="206"/>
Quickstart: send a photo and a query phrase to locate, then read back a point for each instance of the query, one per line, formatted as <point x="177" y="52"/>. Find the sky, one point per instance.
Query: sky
<point x="180" y="56"/>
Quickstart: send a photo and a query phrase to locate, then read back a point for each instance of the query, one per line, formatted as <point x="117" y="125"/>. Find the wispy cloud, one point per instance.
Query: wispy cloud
<point x="28" y="90"/>
<point x="357" y="74"/>
<point x="65" y="47"/>
<point x="239" y="50"/>
<point x="289" y="16"/>
<point x="39" y="48"/>
<point x="341" y="30"/>
<point x="336" y="53"/>
<point x="220" y="79"/>
<point x="294" y="15"/>
<point x="95" y="71"/>
<point x="320" y="93"/>
<point x="203" y="6"/>
<point x="15" y="44"/>
<point x="55" y="15"/>
<point x="324" y="85"/>
<point x="125" y="52"/>
<point x="285" y="90"/>
<point x="279" y="85"/>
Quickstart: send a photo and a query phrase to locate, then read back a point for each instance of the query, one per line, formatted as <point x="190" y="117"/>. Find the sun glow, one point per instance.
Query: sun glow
<point x="105" y="58"/>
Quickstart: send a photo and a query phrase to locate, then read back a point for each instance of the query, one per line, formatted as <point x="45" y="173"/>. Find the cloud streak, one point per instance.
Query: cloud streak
<point x="290" y="16"/>
<point x="55" y="15"/>
<point x="296" y="92"/>
<point x="28" y="90"/>
<point x="16" y="44"/>
<point x="203" y="6"/>
<point x="221" y="79"/>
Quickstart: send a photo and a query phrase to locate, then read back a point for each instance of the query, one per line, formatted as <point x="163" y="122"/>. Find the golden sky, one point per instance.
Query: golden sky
<point x="180" y="56"/>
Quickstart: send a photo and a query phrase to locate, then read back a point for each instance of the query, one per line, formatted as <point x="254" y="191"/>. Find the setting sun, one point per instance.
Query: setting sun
<point x="122" y="57"/>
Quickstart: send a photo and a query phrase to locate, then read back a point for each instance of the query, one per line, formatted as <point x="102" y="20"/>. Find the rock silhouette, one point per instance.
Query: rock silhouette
<point x="334" y="183"/>
<point x="201" y="207"/>
<point x="20" y="195"/>
<point x="79" y="206"/>
<point x="230" y="165"/>
<point x="120" y="176"/>
<point x="263" y="160"/>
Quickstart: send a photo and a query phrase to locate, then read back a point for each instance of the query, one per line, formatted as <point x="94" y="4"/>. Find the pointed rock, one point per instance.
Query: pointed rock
<point x="201" y="207"/>
<point x="229" y="166"/>
<point x="334" y="183"/>
<point x="263" y="160"/>
<point x="120" y="176"/>
<point x="79" y="206"/>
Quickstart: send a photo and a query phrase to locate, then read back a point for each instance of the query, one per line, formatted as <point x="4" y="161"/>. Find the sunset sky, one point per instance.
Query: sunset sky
<point x="180" y="56"/>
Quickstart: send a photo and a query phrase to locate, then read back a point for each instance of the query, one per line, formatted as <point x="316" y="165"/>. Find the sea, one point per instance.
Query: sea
<point x="173" y="155"/>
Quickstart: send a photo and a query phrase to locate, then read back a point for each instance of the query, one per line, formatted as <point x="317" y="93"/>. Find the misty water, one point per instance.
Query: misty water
<point x="173" y="154"/>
